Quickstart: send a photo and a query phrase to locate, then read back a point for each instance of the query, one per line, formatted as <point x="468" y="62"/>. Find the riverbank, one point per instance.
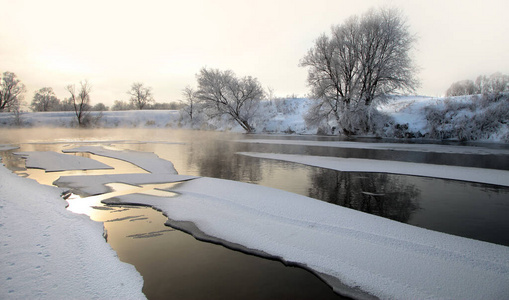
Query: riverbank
<point x="49" y="252"/>
<point x="481" y="118"/>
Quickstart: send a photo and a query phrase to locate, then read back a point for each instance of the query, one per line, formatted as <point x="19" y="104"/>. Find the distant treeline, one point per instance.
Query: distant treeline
<point x="494" y="84"/>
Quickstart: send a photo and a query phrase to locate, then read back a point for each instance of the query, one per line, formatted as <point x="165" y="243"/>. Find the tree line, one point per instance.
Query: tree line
<point x="494" y="84"/>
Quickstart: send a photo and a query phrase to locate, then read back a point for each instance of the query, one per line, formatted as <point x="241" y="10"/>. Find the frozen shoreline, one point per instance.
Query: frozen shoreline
<point x="358" y="254"/>
<point x="373" y="256"/>
<point x="51" y="253"/>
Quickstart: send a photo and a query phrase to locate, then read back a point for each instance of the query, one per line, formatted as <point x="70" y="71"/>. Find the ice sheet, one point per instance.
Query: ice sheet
<point x="96" y="184"/>
<point x="385" y="146"/>
<point x="145" y="160"/>
<point x="385" y="258"/>
<point x="48" y="252"/>
<point x="489" y="176"/>
<point x="53" y="161"/>
<point x="8" y="147"/>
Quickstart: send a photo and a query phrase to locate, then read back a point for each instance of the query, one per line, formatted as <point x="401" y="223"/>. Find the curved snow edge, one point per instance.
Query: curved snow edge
<point x="49" y="252"/>
<point x="381" y="257"/>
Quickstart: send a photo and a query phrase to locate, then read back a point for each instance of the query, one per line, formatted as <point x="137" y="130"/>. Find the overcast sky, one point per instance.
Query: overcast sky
<point x="163" y="44"/>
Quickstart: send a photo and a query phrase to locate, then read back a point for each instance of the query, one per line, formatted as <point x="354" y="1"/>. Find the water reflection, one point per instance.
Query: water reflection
<point x="383" y="195"/>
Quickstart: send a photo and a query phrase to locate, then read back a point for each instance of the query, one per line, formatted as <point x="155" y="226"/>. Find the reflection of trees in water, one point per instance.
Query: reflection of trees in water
<point x="217" y="159"/>
<point x="380" y="194"/>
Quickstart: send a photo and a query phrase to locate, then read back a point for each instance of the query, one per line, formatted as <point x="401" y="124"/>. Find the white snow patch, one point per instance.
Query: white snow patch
<point x="385" y="258"/>
<point x="145" y="160"/>
<point x="96" y="184"/>
<point x="488" y="176"/>
<point x="8" y="147"/>
<point x="48" y="252"/>
<point x="409" y="110"/>
<point x="53" y="161"/>
<point x="384" y="146"/>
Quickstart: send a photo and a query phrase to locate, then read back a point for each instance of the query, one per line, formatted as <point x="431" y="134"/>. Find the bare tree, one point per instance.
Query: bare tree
<point x="222" y="93"/>
<point x="45" y="100"/>
<point x="81" y="101"/>
<point x="140" y="95"/>
<point x="11" y="91"/>
<point x="190" y="101"/>
<point x="365" y="60"/>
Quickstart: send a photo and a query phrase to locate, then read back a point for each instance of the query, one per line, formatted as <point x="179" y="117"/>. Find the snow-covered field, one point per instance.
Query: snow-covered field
<point x="373" y="256"/>
<point x="463" y="118"/>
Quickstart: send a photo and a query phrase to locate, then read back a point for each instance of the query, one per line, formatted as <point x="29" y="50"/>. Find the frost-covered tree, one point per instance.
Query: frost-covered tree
<point x="460" y="88"/>
<point x="100" y="107"/>
<point x="190" y="101"/>
<point x="45" y="100"/>
<point x="81" y="101"/>
<point x="11" y="91"/>
<point x="221" y="93"/>
<point x="121" y="105"/>
<point x="140" y="95"/>
<point x="361" y="63"/>
<point x="496" y="83"/>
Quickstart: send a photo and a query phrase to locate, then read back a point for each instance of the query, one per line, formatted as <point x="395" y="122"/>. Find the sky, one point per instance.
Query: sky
<point x="164" y="44"/>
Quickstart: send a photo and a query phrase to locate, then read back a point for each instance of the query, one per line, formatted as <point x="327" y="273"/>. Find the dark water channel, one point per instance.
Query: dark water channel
<point x="176" y="266"/>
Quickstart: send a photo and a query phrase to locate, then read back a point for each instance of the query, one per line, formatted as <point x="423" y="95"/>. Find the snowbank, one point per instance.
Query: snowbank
<point x="369" y="254"/>
<point x="48" y="252"/>
<point x="474" y="117"/>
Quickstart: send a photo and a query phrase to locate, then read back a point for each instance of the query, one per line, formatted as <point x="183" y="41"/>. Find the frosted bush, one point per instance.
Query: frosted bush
<point x="474" y="119"/>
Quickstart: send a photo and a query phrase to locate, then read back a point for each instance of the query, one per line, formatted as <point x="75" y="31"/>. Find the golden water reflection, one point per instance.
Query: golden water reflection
<point x="93" y="206"/>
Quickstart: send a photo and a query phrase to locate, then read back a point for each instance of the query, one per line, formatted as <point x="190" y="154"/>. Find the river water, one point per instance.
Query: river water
<point x="175" y="265"/>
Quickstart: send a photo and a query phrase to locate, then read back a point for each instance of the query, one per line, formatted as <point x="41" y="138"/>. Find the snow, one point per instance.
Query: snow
<point x="371" y="255"/>
<point x="409" y="110"/>
<point x="8" y="147"/>
<point x="385" y="146"/>
<point x="488" y="176"/>
<point x="145" y="160"/>
<point x="97" y="184"/>
<point x="53" y="161"/>
<point x="384" y="258"/>
<point x="287" y="116"/>
<point x="48" y="252"/>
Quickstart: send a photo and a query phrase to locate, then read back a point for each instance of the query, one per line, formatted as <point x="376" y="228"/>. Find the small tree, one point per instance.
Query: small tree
<point x="81" y="101"/>
<point x="190" y="101"/>
<point x="45" y="100"/>
<point x="119" y="105"/>
<point x="11" y="92"/>
<point x="223" y="94"/>
<point x="140" y="95"/>
<point x="356" y="68"/>
<point x="460" y="88"/>
<point x="100" y="107"/>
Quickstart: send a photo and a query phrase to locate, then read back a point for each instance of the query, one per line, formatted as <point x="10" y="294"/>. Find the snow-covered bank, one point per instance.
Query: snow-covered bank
<point x="48" y="252"/>
<point x="370" y="254"/>
<point x="488" y="176"/>
<point x="475" y="117"/>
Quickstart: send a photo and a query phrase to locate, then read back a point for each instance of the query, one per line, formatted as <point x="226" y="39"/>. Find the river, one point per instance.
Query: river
<point x="175" y="265"/>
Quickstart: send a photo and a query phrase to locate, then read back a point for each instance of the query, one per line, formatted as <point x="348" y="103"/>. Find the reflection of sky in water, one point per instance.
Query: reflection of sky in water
<point x="92" y="206"/>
